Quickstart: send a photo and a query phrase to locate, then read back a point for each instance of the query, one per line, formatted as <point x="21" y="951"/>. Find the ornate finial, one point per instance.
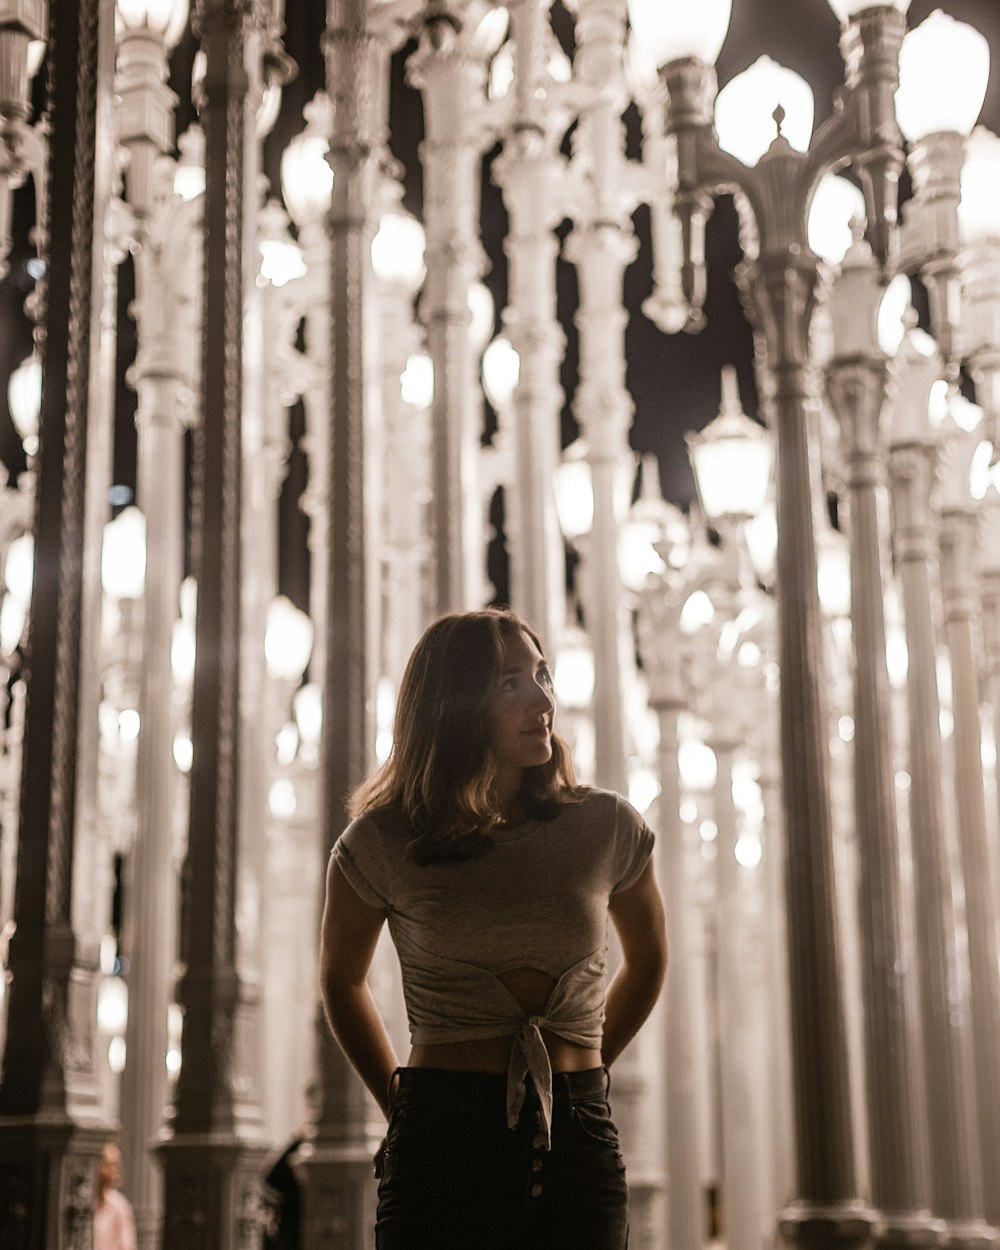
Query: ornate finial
<point x="779" y="117"/>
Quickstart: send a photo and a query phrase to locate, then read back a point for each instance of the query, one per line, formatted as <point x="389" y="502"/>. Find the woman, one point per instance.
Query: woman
<point x="496" y="873"/>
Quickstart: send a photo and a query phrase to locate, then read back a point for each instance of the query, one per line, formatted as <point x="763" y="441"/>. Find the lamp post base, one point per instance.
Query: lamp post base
<point x="839" y="1226"/>
<point x="212" y="1186"/>
<point x="49" y="1170"/>
<point x="338" y="1196"/>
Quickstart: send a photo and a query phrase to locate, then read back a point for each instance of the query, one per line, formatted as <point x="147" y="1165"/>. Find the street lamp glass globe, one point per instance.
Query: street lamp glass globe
<point x="744" y="110"/>
<point x="501" y="371"/>
<point x="307" y="705"/>
<point x="19" y="569"/>
<point x="846" y="9"/>
<point x="288" y="640"/>
<point x="483" y="314"/>
<point x="123" y="555"/>
<point x="24" y="394"/>
<point x="673" y="30"/>
<point x="731" y="458"/>
<point x="306" y="175"/>
<point x="574" y="672"/>
<point x="835" y="205"/>
<point x="574" y="492"/>
<point x="398" y="250"/>
<point x="417" y="381"/>
<point x="163" y="17"/>
<point x="891" y="320"/>
<point x="979" y="207"/>
<point x="944" y="69"/>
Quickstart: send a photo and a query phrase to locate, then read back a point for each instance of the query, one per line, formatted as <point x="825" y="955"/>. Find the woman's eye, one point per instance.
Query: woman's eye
<point x="545" y="677"/>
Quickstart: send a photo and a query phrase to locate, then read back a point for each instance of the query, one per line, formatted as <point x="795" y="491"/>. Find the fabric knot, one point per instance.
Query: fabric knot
<point x="528" y="1056"/>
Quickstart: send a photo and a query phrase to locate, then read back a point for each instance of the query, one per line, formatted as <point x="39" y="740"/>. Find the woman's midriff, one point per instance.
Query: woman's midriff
<point x="492" y="1054"/>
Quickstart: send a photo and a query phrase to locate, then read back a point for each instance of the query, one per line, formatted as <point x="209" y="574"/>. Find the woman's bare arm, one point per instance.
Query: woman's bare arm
<point x="637" y="914"/>
<point x="350" y="933"/>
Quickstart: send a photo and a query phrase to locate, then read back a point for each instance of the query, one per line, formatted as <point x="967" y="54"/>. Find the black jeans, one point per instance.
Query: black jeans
<point x="455" y="1177"/>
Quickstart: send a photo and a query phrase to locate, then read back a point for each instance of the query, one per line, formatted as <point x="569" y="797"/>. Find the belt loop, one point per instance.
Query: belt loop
<point x="607" y="1083"/>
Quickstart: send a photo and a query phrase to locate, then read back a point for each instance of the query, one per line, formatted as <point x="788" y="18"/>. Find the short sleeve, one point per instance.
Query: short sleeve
<point x="633" y="846"/>
<point x="361" y="856"/>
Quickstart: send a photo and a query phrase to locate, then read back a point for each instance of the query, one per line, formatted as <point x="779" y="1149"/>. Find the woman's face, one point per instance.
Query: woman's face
<point x="520" y="710"/>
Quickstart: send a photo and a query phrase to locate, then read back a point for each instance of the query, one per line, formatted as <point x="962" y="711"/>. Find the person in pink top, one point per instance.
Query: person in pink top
<point x="114" y="1225"/>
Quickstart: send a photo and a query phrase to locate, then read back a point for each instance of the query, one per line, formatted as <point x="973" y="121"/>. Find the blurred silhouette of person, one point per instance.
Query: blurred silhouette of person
<point x="282" y="1195"/>
<point x="114" y="1224"/>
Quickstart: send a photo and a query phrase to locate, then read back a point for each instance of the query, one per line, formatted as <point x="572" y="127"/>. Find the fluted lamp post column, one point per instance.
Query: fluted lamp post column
<point x="856" y="378"/>
<point x="660" y="647"/>
<point x="955" y="1183"/>
<point x="732" y="459"/>
<point x="167" y="299"/>
<point x="530" y="172"/>
<point x="457" y="40"/>
<point x="959" y="540"/>
<point x="212" y="1155"/>
<point x="979" y="260"/>
<point x="336" y="1169"/>
<point x="782" y="280"/>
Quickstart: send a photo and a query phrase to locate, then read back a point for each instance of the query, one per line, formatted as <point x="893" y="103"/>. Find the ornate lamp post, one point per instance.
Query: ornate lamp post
<point x="731" y="459"/>
<point x="955" y="1192"/>
<point x="959" y="540"/>
<point x="23" y="36"/>
<point x="167" y="306"/>
<point x="782" y="279"/>
<point x="457" y="41"/>
<point x="856" y="378"/>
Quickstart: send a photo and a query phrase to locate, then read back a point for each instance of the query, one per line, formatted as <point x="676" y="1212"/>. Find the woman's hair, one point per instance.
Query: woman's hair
<point x="439" y="774"/>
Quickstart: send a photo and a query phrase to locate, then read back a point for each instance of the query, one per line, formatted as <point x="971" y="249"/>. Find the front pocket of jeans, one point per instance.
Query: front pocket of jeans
<point x="594" y="1121"/>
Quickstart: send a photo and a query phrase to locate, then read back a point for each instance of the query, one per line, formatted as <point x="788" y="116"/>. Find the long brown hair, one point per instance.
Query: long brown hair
<point x="438" y="774"/>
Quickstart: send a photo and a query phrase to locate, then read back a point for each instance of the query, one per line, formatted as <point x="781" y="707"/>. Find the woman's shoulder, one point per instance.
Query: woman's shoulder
<point x="591" y="804"/>
<point x="387" y="824"/>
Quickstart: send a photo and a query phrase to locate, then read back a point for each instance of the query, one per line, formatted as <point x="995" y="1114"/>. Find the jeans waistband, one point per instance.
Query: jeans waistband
<point x="441" y="1085"/>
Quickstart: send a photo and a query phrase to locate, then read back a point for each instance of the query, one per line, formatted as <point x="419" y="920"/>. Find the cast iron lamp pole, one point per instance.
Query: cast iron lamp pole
<point x="953" y="1148"/>
<point x="856" y="379"/>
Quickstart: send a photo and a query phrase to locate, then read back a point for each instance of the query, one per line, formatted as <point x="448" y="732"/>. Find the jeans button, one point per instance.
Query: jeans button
<point x="536" y="1165"/>
<point x="536" y="1191"/>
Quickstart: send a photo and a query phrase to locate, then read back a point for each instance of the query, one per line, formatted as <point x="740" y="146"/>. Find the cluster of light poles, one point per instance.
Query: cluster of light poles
<point x="686" y="667"/>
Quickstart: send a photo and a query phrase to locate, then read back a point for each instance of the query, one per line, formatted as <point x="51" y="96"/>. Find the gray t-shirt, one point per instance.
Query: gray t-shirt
<point x="537" y="899"/>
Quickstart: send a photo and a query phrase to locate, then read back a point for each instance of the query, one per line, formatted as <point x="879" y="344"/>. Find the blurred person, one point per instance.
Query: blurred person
<point x="114" y="1224"/>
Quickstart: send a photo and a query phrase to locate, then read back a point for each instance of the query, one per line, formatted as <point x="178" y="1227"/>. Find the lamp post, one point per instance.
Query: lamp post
<point x="23" y="39"/>
<point x="731" y="459"/>
<point x="856" y="377"/>
<point x="457" y="41"/>
<point x="782" y="279"/>
<point x="959" y="539"/>
<point x="660" y="648"/>
<point x="530" y="173"/>
<point x="164" y="375"/>
<point x="359" y="40"/>
<point x="50" y="1125"/>
<point x="979" y="228"/>
<point x="955" y="1183"/>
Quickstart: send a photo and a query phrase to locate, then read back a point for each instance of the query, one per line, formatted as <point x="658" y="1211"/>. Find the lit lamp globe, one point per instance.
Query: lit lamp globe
<point x="979" y="207"/>
<point x="306" y="175"/>
<point x="574" y="488"/>
<point x="731" y="459"/>
<point x="398" y="251"/>
<point x="24" y="394"/>
<point x="744" y="110"/>
<point x="836" y="204"/>
<point x="483" y="312"/>
<point x="123" y="556"/>
<point x="501" y="373"/>
<point x="677" y="30"/>
<point x="167" y="19"/>
<point x="288" y="640"/>
<point x="573" y="678"/>
<point x="855" y="302"/>
<point x="944" y="69"/>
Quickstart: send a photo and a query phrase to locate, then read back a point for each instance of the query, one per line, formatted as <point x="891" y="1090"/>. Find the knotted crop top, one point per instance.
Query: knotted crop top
<point x="537" y="899"/>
